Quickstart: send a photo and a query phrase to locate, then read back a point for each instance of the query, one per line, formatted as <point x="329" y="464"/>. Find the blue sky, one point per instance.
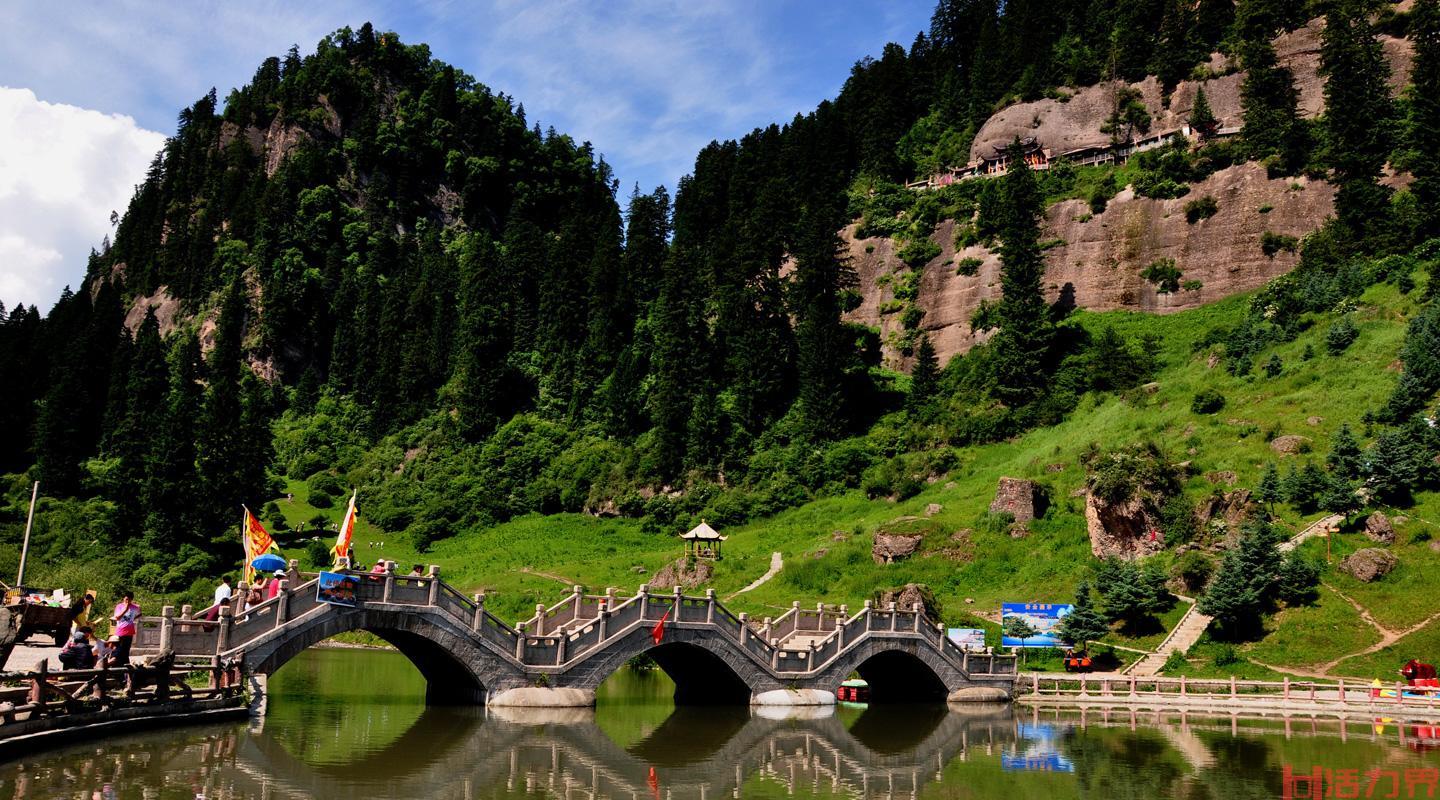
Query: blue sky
<point x="86" y="96"/>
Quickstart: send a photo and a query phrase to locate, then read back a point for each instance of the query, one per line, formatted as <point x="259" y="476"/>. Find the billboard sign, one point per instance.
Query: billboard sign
<point x="337" y="589"/>
<point x="967" y="638"/>
<point x="1043" y="617"/>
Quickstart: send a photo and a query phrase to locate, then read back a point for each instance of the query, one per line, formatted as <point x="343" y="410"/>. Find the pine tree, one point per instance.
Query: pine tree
<point x="1022" y="345"/>
<point x="1083" y="624"/>
<point x="1357" y="95"/>
<point x="823" y="353"/>
<point x="1202" y="118"/>
<point x="1396" y="463"/>
<point x="1344" y="459"/>
<point x="171" y="488"/>
<point x="1244" y="585"/>
<point x="924" y="376"/>
<point x="1339" y="497"/>
<point x="1269" y="490"/>
<point x="1272" y="127"/>
<point x="1424" y="129"/>
<point x="481" y="341"/>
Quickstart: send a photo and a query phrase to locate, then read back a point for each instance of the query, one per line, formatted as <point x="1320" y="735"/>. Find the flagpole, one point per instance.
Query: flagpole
<point x="25" y="548"/>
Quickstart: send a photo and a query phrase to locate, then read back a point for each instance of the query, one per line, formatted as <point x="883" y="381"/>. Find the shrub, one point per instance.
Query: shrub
<point x="918" y="251"/>
<point x="968" y="267"/>
<point x="319" y="498"/>
<point x="1272" y="243"/>
<point x="1225" y="656"/>
<point x="1207" y="401"/>
<point x="1201" y="208"/>
<point x="317" y="553"/>
<point x="1340" y="335"/>
<point x="1274" y="367"/>
<point x="1164" y="274"/>
<point x="910" y="320"/>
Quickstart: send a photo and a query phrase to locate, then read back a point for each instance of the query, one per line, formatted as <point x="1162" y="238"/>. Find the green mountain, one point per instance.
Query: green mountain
<point x="367" y="270"/>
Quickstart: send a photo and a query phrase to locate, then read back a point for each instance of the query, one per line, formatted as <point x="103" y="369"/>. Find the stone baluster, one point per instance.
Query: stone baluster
<point x="604" y="623"/>
<point x="187" y="611"/>
<point x="222" y="637"/>
<point x="578" y="598"/>
<point x="644" y="594"/>
<point x="675" y="617"/>
<point x="241" y="590"/>
<point x="167" y="629"/>
<point x="479" y="611"/>
<point x="744" y="627"/>
<point x="840" y="628"/>
<point x="710" y="606"/>
<point x="282" y="605"/>
<point x="891" y="608"/>
<point x="539" y="619"/>
<point x="520" y="643"/>
<point x="869" y="609"/>
<point x="292" y="572"/>
<point x="434" y="598"/>
<point x="560" y="646"/>
<point x="916" y="608"/>
<point x="765" y="628"/>
<point x="387" y="589"/>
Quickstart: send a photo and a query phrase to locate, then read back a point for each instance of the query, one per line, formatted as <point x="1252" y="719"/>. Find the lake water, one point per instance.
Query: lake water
<point x="352" y="724"/>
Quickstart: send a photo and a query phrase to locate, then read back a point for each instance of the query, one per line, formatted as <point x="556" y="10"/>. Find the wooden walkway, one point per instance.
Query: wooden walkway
<point x="1329" y="698"/>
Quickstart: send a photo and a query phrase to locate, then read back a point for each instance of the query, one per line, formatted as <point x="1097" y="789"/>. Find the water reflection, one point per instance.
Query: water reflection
<point x="358" y="741"/>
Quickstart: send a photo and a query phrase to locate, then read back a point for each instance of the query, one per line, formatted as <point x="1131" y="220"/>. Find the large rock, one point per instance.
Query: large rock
<point x="1369" y="564"/>
<point x="907" y="596"/>
<point x="1232" y="508"/>
<point x="1128" y="530"/>
<point x="1022" y="499"/>
<point x="1290" y="444"/>
<point x="891" y="547"/>
<point x="1379" y="529"/>
<point x="684" y="572"/>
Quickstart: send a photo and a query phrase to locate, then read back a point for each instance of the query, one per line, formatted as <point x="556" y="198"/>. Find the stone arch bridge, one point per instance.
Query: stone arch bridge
<point x="560" y="655"/>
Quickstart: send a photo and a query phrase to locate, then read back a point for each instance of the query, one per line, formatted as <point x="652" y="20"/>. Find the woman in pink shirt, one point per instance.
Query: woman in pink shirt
<point x="273" y="587"/>
<point x="127" y="612"/>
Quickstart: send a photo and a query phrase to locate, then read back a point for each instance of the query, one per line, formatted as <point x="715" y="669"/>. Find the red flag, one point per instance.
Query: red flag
<point x="653" y="781"/>
<point x="658" y="632"/>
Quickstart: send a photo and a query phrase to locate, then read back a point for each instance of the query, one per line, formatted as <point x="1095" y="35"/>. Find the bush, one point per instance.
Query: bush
<point x="910" y="320"/>
<point x="319" y="498"/>
<point x="918" y="251"/>
<point x="1272" y="243"/>
<point x="1201" y="208"/>
<point x="1193" y="570"/>
<point x="1164" y="274"/>
<point x="968" y="267"/>
<point x="1340" y="335"/>
<point x="1226" y="656"/>
<point x="1207" y="401"/>
<point x="317" y="553"/>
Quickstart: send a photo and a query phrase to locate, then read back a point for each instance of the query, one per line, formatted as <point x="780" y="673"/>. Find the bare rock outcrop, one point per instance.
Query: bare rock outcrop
<point x="1379" y="529"/>
<point x="684" y="572"/>
<point x="1230" y="508"/>
<point x="1369" y="564"/>
<point x="1022" y="499"/>
<point x="892" y="547"/>
<point x="1128" y="529"/>
<point x="1290" y="444"/>
<point x="907" y="596"/>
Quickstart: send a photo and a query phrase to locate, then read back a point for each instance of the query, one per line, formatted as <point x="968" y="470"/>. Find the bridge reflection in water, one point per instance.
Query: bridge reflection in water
<point x="473" y="752"/>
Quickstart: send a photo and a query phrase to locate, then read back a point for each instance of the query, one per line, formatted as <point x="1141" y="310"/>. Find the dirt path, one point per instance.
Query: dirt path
<point x="776" y="564"/>
<point x="1387" y="637"/>
<point x="550" y="575"/>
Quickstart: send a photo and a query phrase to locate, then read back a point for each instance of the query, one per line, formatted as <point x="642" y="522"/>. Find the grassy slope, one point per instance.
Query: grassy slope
<point x="825" y="543"/>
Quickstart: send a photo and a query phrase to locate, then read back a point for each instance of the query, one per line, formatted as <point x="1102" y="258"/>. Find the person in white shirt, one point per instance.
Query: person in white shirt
<point x="223" y="592"/>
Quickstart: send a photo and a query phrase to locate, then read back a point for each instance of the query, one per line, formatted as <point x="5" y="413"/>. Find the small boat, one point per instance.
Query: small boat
<point x="853" y="691"/>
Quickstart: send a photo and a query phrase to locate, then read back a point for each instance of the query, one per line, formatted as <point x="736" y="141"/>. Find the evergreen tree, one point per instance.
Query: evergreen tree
<point x="1396" y="463"/>
<point x="1132" y="594"/>
<point x="171" y="489"/>
<point x="1344" y="460"/>
<point x="1244" y="585"/>
<point x="1303" y="488"/>
<point x="823" y="351"/>
<point x="1083" y="624"/>
<point x="1202" y="118"/>
<point x="1357" y="99"/>
<point x="924" y="376"/>
<point x="1269" y="490"/>
<point x="1339" y="497"/>
<point x="482" y="341"/>
<point x="1424" y="128"/>
<point x="1022" y="345"/>
<point x="1272" y="128"/>
<point x="221" y="446"/>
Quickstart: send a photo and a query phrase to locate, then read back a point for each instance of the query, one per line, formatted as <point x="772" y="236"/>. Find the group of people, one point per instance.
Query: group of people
<point x="86" y="649"/>
<point x="264" y="588"/>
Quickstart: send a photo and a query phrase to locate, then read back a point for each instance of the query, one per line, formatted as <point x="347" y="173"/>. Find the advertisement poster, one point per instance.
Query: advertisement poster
<point x="1042" y="617"/>
<point x="967" y="638"/>
<point x="336" y="589"/>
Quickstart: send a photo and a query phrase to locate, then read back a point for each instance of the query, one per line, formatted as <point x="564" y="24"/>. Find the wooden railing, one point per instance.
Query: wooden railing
<point x="42" y="693"/>
<point x="1338" y="692"/>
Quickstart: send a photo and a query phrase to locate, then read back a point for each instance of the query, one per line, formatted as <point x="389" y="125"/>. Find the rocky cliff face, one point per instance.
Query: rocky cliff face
<point x="1074" y="121"/>
<point x="1098" y="259"/>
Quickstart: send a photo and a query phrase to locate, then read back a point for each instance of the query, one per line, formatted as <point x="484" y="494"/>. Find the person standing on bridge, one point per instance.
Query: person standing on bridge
<point x="223" y="593"/>
<point x="272" y="589"/>
<point x="127" y="612"/>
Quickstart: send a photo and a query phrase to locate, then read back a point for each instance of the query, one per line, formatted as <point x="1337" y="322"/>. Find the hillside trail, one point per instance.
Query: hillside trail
<point x="1194" y="624"/>
<point x="777" y="562"/>
<point x="549" y="575"/>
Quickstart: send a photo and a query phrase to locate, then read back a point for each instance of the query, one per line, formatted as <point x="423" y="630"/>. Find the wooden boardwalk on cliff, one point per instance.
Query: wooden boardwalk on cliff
<point x="468" y="655"/>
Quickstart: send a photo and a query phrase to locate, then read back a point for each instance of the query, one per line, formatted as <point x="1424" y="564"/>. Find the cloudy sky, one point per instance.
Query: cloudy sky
<point x="86" y="99"/>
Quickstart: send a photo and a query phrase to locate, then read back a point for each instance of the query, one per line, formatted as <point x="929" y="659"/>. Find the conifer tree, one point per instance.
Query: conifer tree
<point x="924" y="376"/>
<point x="1357" y="99"/>
<point x="1022" y="344"/>
<point x="1083" y="624"/>
<point x="1269" y="490"/>
<point x="171" y="489"/>
<point x="1272" y="127"/>
<point x="1424" y="130"/>
<point x="481" y="340"/>
<point x="1243" y="586"/>
<point x="1344" y="460"/>
<point x="822" y="351"/>
<point x="1202" y="118"/>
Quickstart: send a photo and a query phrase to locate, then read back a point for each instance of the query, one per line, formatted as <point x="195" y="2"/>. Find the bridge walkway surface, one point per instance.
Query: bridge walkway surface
<point x="564" y="651"/>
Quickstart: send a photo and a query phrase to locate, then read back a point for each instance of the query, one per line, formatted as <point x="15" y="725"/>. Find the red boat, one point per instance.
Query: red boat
<point x="855" y="691"/>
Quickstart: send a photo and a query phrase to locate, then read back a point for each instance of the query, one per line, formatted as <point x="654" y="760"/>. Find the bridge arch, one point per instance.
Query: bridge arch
<point x="457" y="669"/>
<point x="706" y="669"/>
<point x="904" y="671"/>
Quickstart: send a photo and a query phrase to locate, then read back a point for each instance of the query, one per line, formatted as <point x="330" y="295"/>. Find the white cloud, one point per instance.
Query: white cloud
<point x="63" y="169"/>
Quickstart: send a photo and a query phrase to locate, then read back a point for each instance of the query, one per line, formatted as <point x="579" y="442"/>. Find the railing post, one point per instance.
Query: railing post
<point x="292" y="572"/>
<point x="1182" y="685"/>
<point x="710" y="606"/>
<point x="387" y="591"/>
<point x="37" y="682"/>
<point x="167" y="629"/>
<point x="775" y="659"/>
<point x="744" y="627"/>
<point x="1232" y="687"/>
<point x="520" y="643"/>
<point x="1341" y="686"/>
<point x="644" y="594"/>
<point x="604" y="623"/>
<point x="222" y="636"/>
<point x="577" y="597"/>
<point x="765" y="623"/>
<point x="1132" y="684"/>
<point x="282" y="605"/>
<point x="479" y="611"/>
<point x="187" y="611"/>
<point x="678" y="598"/>
<point x="1285" y="690"/>
<point x="915" y="607"/>
<point x="891" y="609"/>
<point x="869" y="609"/>
<point x="434" y="597"/>
<point x="965" y="661"/>
<point x="560" y="647"/>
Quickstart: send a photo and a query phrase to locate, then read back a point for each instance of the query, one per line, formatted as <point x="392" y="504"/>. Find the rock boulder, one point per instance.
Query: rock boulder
<point x="1024" y="500"/>
<point x="1290" y="444"/>
<point x="1379" y="529"/>
<point x="907" y="596"/>
<point x="891" y="547"/>
<point x="684" y="572"/>
<point x="1369" y="564"/>
<point x="1128" y="530"/>
<point x="1232" y="508"/>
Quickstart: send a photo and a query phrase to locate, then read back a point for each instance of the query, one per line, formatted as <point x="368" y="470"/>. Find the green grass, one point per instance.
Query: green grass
<point x="1312" y="635"/>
